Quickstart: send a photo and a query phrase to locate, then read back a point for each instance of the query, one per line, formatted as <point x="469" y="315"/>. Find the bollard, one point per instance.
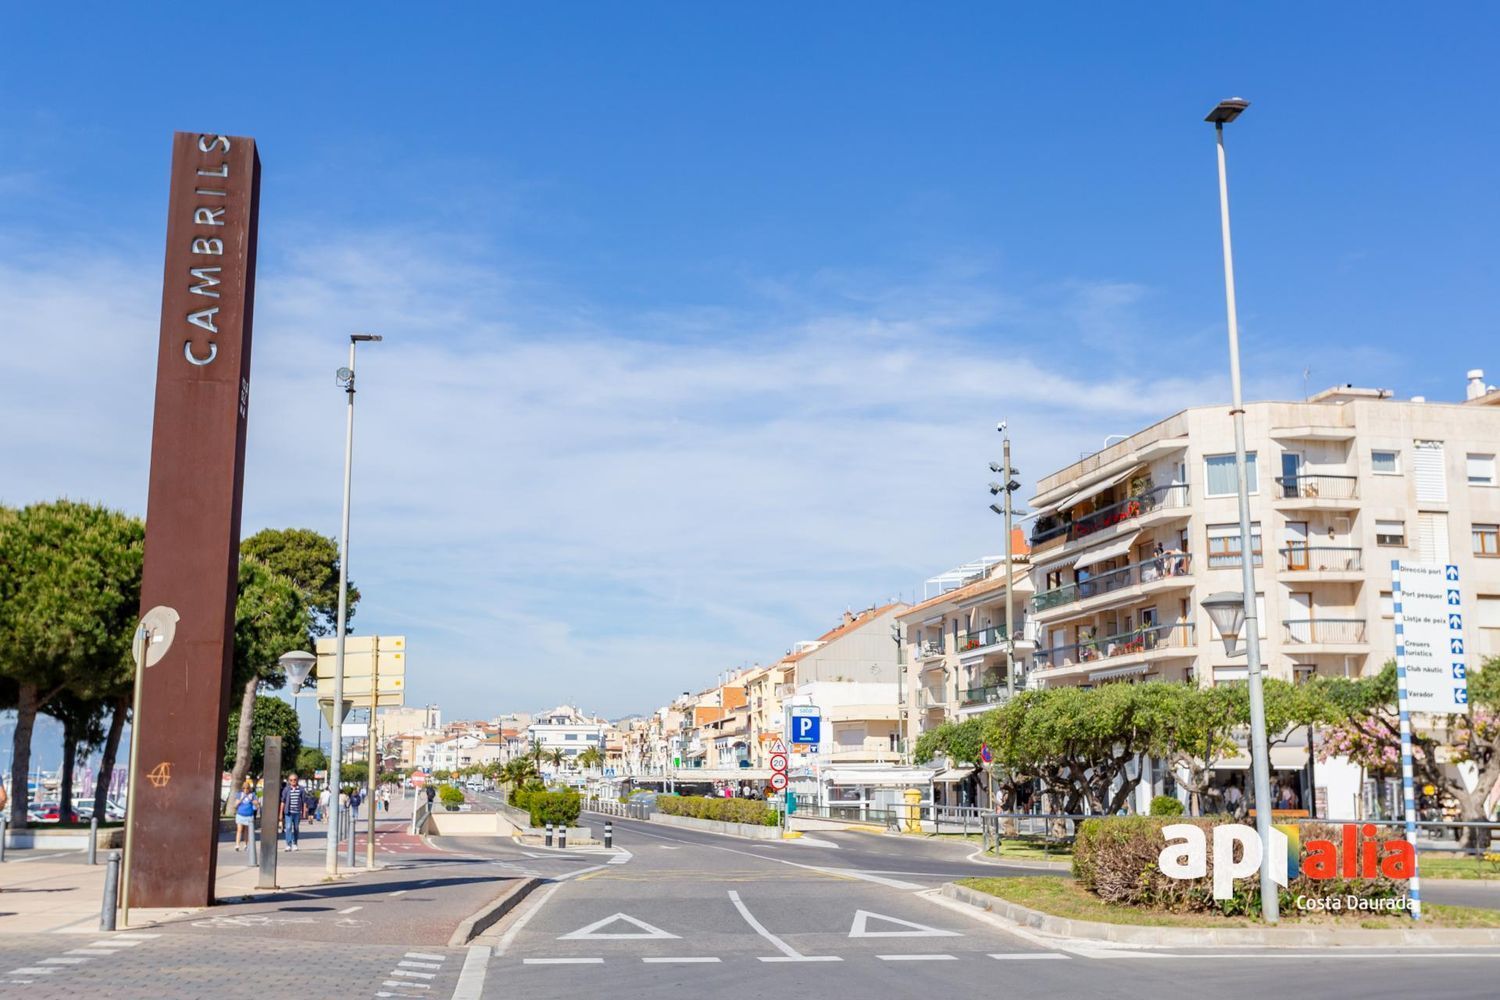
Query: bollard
<point x="609" y="834"/>
<point x="111" y="892"/>
<point x="353" y="818"/>
<point x="4" y="821"/>
<point x="562" y="836"/>
<point x="252" y="853"/>
<point x="93" y="840"/>
<point x="549" y="834"/>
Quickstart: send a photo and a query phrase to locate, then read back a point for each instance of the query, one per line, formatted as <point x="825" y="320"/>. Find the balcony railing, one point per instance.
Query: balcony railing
<point x="931" y="648"/>
<point x="1321" y="558"/>
<point x="987" y="636"/>
<point x="928" y="698"/>
<point x="872" y="746"/>
<point x="1325" y="630"/>
<point x="1149" y="571"/>
<point x="1128" y="509"/>
<point x="1317" y="487"/>
<point x="1141" y="640"/>
<point x="988" y="695"/>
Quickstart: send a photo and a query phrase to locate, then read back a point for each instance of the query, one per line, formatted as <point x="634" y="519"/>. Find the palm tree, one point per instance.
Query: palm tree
<point x="590" y="758"/>
<point x="556" y="757"/>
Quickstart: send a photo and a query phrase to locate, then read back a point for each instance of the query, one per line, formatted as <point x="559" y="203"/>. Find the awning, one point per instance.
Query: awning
<point x="1111" y="551"/>
<point x="1282" y="759"/>
<point x="953" y="774"/>
<point x="1104" y="675"/>
<point x="875" y="776"/>
<point x="1096" y="489"/>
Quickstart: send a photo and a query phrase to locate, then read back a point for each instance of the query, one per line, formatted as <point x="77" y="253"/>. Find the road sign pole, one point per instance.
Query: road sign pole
<point x="371" y="764"/>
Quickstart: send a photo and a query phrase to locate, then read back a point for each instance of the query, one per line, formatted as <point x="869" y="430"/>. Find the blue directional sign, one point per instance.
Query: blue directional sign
<point x="1456" y="622"/>
<point x="1452" y="572"/>
<point x="1460" y="671"/>
<point x="1455" y="645"/>
<point x="806" y="724"/>
<point x="1454" y="599"/>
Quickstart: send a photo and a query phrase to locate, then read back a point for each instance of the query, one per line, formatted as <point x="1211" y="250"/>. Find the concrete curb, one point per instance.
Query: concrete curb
<point x="491" y="912"/>
<point x="1193" y="937"/>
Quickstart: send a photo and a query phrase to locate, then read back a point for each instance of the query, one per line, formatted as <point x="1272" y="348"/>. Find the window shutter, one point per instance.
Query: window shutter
<point x="1432" y="480"/>
<point x="1432" y="537"/>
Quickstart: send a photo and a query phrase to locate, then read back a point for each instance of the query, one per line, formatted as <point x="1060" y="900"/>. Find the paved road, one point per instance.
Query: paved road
<point x="732" y="918"/>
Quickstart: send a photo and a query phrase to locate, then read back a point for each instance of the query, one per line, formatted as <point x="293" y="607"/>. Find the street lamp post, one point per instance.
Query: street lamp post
<point x="1227" y="111"/>
<point x="1007" y="486"/>
<point x="345" y="378"/>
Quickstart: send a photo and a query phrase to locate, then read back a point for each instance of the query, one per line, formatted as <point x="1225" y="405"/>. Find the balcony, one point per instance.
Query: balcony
<point x="929" y="699"/>
<point x="992" y="694"/>
<point x="1318" y="490"/>
<point x="1137" y="642"/>
<point x="1315" y="559"/>
<point x="1177" y="566"/>
<point x="931" y="649"/>
<point x="975" y="645"/>
<point x="1120" y="512"/>
<point x="1325" y="631"/>
<point x="873" y="749"/>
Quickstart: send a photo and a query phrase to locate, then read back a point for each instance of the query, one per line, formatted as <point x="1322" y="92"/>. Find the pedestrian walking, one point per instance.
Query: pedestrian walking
<point x="385" y="799"/>
<point x="293" y="803"/>
<point x="323" y="805"/>
<point x="244" y="814"/>
<point x="431" y="794"/>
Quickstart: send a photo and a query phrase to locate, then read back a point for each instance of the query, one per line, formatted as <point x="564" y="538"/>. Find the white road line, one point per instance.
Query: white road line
<point x="1023" y="955"/>
<point x="653" y="960"/>
<point x="917" y="958"/>
<point x="413" y="975"/>
<point x="32" y="970"/>
<point x="521" y="921"/>
<point x="789" y="954"/>
<point x="351" y="909"/>
<point x="91" y="951"/>
<point x="471" y="977"/>
<point x="63" y="961"/>
<point x="124" y="936"/>
<point x="581" y="871"/>
<point x="399" y="892"/>
<point x="424" y="956"/>
<point x="402" y="984"/>
<point x="837" y="872"/>
<point x="562" y="961"/>
<point x="409" y="964"/>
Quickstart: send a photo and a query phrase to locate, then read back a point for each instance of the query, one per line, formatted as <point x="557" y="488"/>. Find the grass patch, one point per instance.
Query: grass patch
<point x="1015" y="848"/>
<point x="1062" y="897"/>
<point x="1459" y="866"/>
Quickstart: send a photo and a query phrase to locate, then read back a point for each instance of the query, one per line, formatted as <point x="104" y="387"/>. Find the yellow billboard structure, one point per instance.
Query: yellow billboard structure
<point x="374" y="670"/>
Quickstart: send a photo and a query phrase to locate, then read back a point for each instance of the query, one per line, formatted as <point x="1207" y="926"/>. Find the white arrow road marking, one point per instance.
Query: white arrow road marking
<point x="860" y="927"/>
<point x="646" y="931"/>
<point x="622" y="857"/>
<point x="788" y="953"/>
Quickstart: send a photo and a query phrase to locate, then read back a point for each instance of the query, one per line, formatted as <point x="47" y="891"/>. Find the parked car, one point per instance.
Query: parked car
<point x="44" y="812"/>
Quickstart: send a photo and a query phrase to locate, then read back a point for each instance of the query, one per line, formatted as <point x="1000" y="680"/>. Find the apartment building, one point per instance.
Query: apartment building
<point x="1131" y="540"/>
<point x="567" y="729"/>
<point x="954" y="642"/>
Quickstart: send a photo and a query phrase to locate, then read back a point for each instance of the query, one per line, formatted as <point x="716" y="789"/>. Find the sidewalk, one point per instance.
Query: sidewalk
<point x="59" y="892"/>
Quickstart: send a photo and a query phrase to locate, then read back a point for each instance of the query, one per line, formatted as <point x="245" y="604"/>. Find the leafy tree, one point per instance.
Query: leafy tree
<point x="354" y="773"/>
<point x="269" y="717"/>
<point x="271" y="617"/>
<point x="1370" y="731"/>
<point x="311" y="562"/>
<point x="311" y="760"/>
<point x="70" y="586"/>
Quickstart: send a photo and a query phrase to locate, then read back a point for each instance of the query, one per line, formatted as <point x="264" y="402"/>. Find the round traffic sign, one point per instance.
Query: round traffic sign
<point x="778" y="762"/>
<point x="778" y="780"/>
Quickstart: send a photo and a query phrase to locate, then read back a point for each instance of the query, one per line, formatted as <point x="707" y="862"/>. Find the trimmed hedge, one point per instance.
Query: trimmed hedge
<point x="1166" y="805"/>
<point x="557" y="808"/>
<point x="751" y="811"/>
<point x="451" y="795"/>
<point x="1115" y="858"/>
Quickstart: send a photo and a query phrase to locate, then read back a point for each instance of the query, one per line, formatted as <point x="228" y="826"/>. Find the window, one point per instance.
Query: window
<point x="1481" y="470"/>
<point x="1487" y="539"/>
<point x="1219" y="478"/>
<point x="1390" y="533"/>
<point x="1385" y="463"/>
<point x="570" y="736"/>
<point x="1224" y="545"/>
<point x="1387" y="604"/>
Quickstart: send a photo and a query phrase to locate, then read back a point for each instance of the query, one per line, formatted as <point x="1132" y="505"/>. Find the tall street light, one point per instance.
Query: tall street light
<point x="1007" y="486"/>
<point x="1227" y="111"/>
<point x="345" y="378"/>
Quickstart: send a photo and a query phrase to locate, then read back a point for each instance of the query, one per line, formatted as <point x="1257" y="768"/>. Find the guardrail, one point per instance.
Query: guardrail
<point x="1332" y="630"/>
<point x="1141" y="640"/>
<point x="1315" y="486"/>
<point x="419" y="815"/>
<point x="1320" y="558"/>
<point x="1167" y="565"/>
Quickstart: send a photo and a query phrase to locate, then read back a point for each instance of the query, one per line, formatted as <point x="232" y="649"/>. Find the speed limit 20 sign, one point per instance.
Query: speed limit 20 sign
<point x="778" y="762"/>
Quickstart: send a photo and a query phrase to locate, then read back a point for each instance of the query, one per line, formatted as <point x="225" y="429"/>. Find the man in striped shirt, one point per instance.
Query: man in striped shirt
<point x="293" y="804"/>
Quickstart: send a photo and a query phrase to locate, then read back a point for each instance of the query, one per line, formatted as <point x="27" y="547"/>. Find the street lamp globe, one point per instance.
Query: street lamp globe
<point x="297" y="666"/>
<point x="1227" y="611"/>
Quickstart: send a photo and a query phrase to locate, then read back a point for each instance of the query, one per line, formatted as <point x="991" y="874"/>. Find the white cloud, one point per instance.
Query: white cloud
<point x="556" y="500"/>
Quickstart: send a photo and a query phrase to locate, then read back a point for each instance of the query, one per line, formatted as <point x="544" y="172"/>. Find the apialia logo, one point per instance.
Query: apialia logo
<point x="1357" y="854"/>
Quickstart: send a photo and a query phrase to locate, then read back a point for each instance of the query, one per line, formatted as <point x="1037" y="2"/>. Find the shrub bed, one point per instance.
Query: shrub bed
<point x="1116" y="859"/>
<point x="557" y="808"/>
<point x="451" y="796"/>
<point x="749" y="811"/>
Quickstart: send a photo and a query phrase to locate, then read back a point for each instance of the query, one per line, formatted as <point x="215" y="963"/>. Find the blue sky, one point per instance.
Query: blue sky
<point x="699" y="319"/>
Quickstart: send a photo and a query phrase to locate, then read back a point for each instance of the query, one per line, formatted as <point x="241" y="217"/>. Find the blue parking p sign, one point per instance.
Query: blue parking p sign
<point x="806" y="724"/>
